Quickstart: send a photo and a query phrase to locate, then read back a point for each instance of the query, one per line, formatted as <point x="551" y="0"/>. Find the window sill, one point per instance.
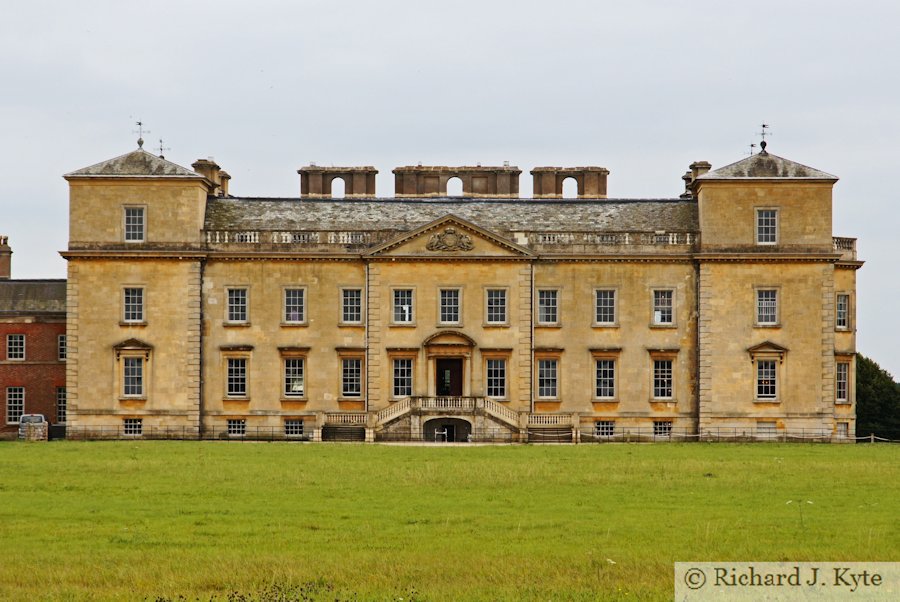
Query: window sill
<point x="350" y="324"/>
<point x="241" y="399"/>
<point x="302" y="398"/>
<point x="842" y="403"/>
<point x="228" y="324"/>
<point x="548" y="325"/>
<point x="776" y="325"/>
<point x="663" y="326"/>
<point x="547" y="400"/>
<point x="294" y="324"/>
<point x="449" y="325"/>
<point x="606" y="400"/>
<point x="402" y="325"/>
<point x="495" y="325"/>
<point x="605" y="325"/>
<point x="772" y="401"/>
<point x="345" y="398"/>
<point x="136" y="398"/>
<point x="140" y="324"/>
<point x="663" y="400"/>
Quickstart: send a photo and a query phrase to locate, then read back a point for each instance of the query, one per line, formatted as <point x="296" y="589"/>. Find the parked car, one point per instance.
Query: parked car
<point x="30" y="419"/>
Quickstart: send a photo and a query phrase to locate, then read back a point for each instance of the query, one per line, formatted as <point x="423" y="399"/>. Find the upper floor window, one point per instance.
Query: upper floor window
<point x="842" y="312"/>
<point x="351" y="306"/>
<point x="663" y="303"/>
<point x="61" y="349"/>
<point x="403" y="306"/>
<point x="548" y="307"/>
<point x="605" y="306"/>
<point x="766" y="307"/>
<point x="449" y="308"/>
<point x="237" y="310"/>
<point x="766" y="226"/>
<point x="133" y="305"/>
<point x="294" y="305"/>
<point x="135" y="224"/>
<point x="15" y="346"/>
<point x="496" y="306"/>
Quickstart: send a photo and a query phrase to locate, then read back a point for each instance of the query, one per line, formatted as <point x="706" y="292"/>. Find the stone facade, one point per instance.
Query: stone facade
<point x="481" y="316"/>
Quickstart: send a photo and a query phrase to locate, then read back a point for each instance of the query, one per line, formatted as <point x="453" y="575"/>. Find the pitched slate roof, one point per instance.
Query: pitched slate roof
<point x="32" y="296"/>
<point x="496" y="215"/>
<point x="766" y="166"/>
<point x="137" y="163"/>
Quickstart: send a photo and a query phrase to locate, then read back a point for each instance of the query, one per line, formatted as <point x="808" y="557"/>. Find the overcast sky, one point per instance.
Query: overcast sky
<point x="642" y="88"/>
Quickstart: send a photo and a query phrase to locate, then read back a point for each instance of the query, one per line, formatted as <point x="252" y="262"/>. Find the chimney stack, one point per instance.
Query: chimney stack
<point x="5" y="258"/>
<point x="210" y="170"/>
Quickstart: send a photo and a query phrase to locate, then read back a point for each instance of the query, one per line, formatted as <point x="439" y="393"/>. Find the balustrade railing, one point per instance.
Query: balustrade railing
<point x="347" y="418"/>
<point x="844" y="246"/>
<point x="550" y="420"/>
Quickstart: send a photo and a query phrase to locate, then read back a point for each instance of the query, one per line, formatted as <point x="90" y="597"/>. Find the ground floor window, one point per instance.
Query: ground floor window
<point x="15" y="404"/>
<point x="133" y="378"/>
<point x="133" y="426"/>
<point x="236" y="385"/>
<point x="293" y="377"/>
<point x="605" y="428"/>
<point x="60" y="404"/>
<point x="351" y="377"/>
<point x="293" y="428"/>
<point x="843" y="429"/>
<point x="496" y="378"/>
<point x="842" y="382"/>
<point x="662" y="379"/>
<point x="237" y="427"/>
<point x="662" y="428"/>
<point x="766" y="386"/>
<point x="403" y="377"/>
<point x="548" y="384"/>
<point x="605" y="379"/>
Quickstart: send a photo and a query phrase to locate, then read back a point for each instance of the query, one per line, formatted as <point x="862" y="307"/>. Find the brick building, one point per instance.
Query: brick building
<point x="32" y="347"/>
<point x="726" y="308"/>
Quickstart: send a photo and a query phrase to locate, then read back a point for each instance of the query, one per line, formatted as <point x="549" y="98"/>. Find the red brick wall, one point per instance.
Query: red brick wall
<point x="41" y="373"/>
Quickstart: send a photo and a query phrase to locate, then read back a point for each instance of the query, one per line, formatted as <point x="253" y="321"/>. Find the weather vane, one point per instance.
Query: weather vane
<point x="162" y="149"/>
<point x="763" y="133"/>
<point x="752" y="146"/>
<point x="140" y="132"/>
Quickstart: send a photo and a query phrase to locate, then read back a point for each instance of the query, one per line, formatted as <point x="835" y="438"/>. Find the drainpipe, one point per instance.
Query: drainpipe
<point x="531" y="323"/>
<point x="202" y="374"/>
<point x="366" y="343"/>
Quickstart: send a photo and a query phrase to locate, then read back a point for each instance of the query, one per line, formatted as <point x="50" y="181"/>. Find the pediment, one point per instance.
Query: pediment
<point x="453" y="237"/>
<point x="767" y="348"/>
<point x="449" y="338"/>
<point x="133" y="347"/>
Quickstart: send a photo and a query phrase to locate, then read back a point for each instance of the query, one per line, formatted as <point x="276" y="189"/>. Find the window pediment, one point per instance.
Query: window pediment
<point x="767" y="349"/>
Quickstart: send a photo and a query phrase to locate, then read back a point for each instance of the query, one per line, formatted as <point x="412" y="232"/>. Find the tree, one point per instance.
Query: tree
<point x="877" y="400"/>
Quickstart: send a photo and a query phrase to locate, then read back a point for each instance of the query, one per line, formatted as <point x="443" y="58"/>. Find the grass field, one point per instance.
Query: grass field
<point x="159" y="520"/>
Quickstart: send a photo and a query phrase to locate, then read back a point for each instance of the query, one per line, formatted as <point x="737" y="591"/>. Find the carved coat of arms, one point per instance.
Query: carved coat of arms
<point x="449" y="240"/>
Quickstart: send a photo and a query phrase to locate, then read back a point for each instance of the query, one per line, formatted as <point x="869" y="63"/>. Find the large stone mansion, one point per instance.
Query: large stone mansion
<point x="480" y="316"/>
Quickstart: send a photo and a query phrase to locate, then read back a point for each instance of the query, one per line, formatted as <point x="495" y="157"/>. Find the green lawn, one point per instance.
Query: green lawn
<point x="148" y="520"/>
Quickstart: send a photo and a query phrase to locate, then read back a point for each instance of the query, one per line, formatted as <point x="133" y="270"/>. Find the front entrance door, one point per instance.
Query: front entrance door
<point x="449" y="375"/>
